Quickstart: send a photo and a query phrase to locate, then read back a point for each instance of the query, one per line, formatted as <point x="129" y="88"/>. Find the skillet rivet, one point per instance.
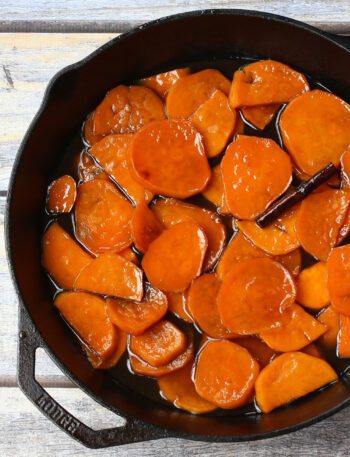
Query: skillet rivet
<point x="22" y="335"/>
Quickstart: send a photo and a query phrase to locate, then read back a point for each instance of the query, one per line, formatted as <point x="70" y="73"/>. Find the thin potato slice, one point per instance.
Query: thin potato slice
<point x="291" y="376"/>
<point x="162" y="82"/>
<point x="168" y="158"/>
<point x="312" y="287"/>
<point x="260" y="116"/>
<point x="261" y="352"/>
<point x="177" y="305"/>
<point x="249" y="175"/>
<point x="145" y="226"/>
<point x="343" y="347"/>
<point x="214" y="192"/>
<point x="339" y="279"/>
<point x="61" y="195"/>
<point x="331" y="318"/>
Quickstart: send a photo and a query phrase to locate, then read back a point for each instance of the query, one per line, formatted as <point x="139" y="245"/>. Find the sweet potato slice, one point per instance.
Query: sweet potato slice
<point x="215" y="121"/>
<point x="172" y="212"/>
<point x="102" y="217"/>
<point x="278" y="238"/>
<point x="89" y="170"/>
<point x="135" y="317"/>
<point x="312" y="286"/>
<point x="261" y="352"/>
<point x="298" y="329"/>
<point x="260" y="116"/>
<point x="185" y="97"/>
<point x="319" y="220"/>
<point x="202" y="306"/>
<point x="339" y="279"/>
<point x="345" y="169"/>
<point x="178" y="388"/>
<point x="87" y="315"/>
<point x="129" y="254"/>
<point x="162" y="82"/>
<point x="61" y="195"/>
<point x="63" y="258"/>
<point x="99" y="364"/>
<point x="291" y="376"/>
<point x="141" y="368"/>
<point x="343" y="347"/>
<point x="225" y="374"/>
<point x="111" y="154"/>
<point x="158" y="345"/>
<point x="177" y="305"/>
<point x="175" y="257"/>
<point x="145" y="226"/>
<point x="249" y="175"/>
<point x="111" y="274"/>
<point x="331" y="318"/>
<point x="344" y="231"/>
<point x="313" y="350"/>
<point x="266" y="82"/>
<point x="90" y="137"/>
<point x="214" y="192"/>
<point x="315" y="129"/>
<point x="253" y="296"/>
<point x="292" y="261"/>
<point x="168" y="158"/>
<point x="125" y="109"/>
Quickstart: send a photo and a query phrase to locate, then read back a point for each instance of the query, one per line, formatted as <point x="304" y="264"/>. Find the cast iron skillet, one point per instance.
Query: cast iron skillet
<point x="71" y="95"/>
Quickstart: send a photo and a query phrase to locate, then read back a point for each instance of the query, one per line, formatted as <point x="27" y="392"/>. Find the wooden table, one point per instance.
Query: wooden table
<point x="37" y="38"/>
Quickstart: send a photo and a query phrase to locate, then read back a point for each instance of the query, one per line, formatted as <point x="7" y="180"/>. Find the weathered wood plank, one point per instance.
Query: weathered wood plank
<point x="75" y="15"/>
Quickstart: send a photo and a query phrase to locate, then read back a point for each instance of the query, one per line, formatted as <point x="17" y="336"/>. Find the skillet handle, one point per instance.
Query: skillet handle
<point x="133" y="431"/>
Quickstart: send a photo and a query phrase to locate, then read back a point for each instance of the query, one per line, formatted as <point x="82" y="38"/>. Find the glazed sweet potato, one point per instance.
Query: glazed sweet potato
<point x="315" y="129"/>
<point x="344" y="231"/>
<point x="292" y="261"/>
<point x="254" y="294"/>
<point x="339" y="279"/>
<point x="291" y="376"/>
<point x="345" y="169"/>
<point x="89" y="170"/>
<point x="331" y="318"/>
<point x="111" y="274"/>
<point x="312" y="286"/>
<point x="266" y="82"/>
<point x="202" y="306"/>
<point x="145" y="226"/>
<point x="168" y="158"/>
<point x="111" y="154"/>
<point x="260" y="116"/>
<point x="258" y="349"/>
<point x="90" y="137"/>
<point x="343" y="347"/>
<point x="87" y="315"/>
<point x="171" y="212"/>
<point x="135" y="317"/>
<point x="129" y="254"/>
<point x="158" y="345"/>
<point x="102" y="217"/>
<point x="178" y="388"/>
<point x="215" y="121"/>
<point x="175" y="257"/>
<point x="125" y="109"/>
<point x="249" y="175"/>
<point x="99" y="364"/>
<point x="313" y="350"/>
<point x="214" y="192"/>
<point x="225" y="374"/>
<point x="162" y="82"/>
<point x="319" y="220"/>
<point x="298" y="329"/>
<point x="62" y="257"/>
<point x="177" y="305"/>
<point x="185" y="97"/>
<point x="61" y="195"/>
<point x="278" y="238"/>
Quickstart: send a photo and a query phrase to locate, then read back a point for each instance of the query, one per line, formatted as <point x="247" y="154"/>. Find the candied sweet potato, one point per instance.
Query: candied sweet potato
<point x="62" y="257"/>
<point x="214" y="192"/>
<point x="99" y="364"/>
<point x="261" y="352"/>
<point x="331" y="318"/>
<point x="249" y="175"/>
<point x="61" y="195"/>
<point x="313" y="350"/>
<point x="292" y="261"/>
<point x="254" y="294"/>
<point x="89" y="170"/>
<point x="125" y="109"/>
<point x="90" y="137"/>
<point x="315" y="129"/>
<point x="162" y="82"/>
<point x="159" y="344"/>
<point x="339" y="279"/>
<point x="145" y="226"/>
<point x="312" y="286"/>
<point x="135" y="317"/>
<point x="260" y="116"/>
<point x="345" y="169"/>
<point x="172" y="212"/>
<point x="102" y="217"/>
<point x="225" y="374"/>
<point x="175" y="257"/>
<point x="291" y="376"/>
<point x="319" y="220"/>
<point x="111" y="274"/>
<point x="343" y="347"/>
<point x="177" y="305"/>
<point x="87" y="315"/>
<point x="215" y="121"/>
<point x="192" y="91"/>
<point x="168" y="158"/>
<point x="266" y="82"/>
<point x="129" y="254"/>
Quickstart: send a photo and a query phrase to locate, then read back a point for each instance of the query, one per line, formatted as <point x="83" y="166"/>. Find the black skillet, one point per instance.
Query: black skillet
<point x="74" y="92"/>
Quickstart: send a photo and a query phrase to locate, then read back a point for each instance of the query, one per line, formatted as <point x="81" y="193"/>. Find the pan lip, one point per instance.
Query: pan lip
<point x="8" y="223"/>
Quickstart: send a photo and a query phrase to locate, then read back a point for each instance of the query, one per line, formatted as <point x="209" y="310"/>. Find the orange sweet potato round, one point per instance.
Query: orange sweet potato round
<point x="225" y="374"/>
<point x="171" y="212"/>
<point x="312" y="286"/>
<point x="292" y="261"/>
<point x="177" y="305"/>
<point x="102" y="217"/>
<point x="168" y="158"/>
<point x="338" y="267"/>
<point x="192" y="91"/>
<point x="249" y="175"/>
<point x="90" y="137"/>
<point x="254" y="294"/>
<point x="175" y="257"/>
<point x="315" y="129"/>
<point x="61" y="195"/>
<point x="162" y="82"/>
<point x="145" y="226"/>
<point x="260" y="116"/>
<point x="125" y="109"/>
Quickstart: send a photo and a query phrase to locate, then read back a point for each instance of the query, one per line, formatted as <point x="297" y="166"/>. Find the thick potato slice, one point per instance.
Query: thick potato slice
<point x="339" y="279"/>
<point x="261" y="352"/>
<point x="214" y="192"/>
<point x="343" y="346"/>
<point x="177" y="305"/>
<point x="312" y="286"/>
<point x="260" y="116"/>
<point x="331" y="318"/>
<point x="162" y="82"/>
<point x="89" y="170"/>
<point x="117" y="354"/>
<point x="61" y="195"/>
<point x="145" y="226"/>
<point x="90" y="137"/>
